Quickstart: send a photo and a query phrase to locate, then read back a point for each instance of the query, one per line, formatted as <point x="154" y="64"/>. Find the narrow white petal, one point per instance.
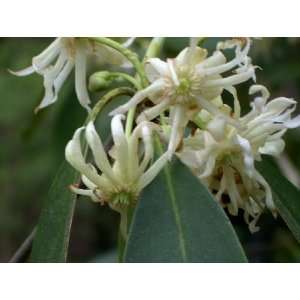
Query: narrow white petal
<point x="269" y="199"/>
<point x="138" y="97"/>
<point x="217" y="127"/>
<point x="153" y="112"/>
<point x="63" y="75"/>
<point x="178" y="124"/>
<point x="293" y="123"/>
<point x="231" y="80"/>
<point x="247" y="155"/>
<point x="24" y="72"/>
<point x="156" y="68"/>
<point x="80" y="77"/>
<point x="209" y="165"/>
<point x="74" y="156"/>
<point x="82" y="192"/>
<point x="99" y="153"/>
<point x="153" y="171"/>
<point x="45" y="58"/>
<point x="89" y="184"/>
<point x="237" y="106"/>
<point x="214" y="60"/>
<point x="121" y="144"/>
<point x="232" y="191"/>
<point x="148" y="147"/>
<point x="50" y="95"/>
<point x="173" y="72"/>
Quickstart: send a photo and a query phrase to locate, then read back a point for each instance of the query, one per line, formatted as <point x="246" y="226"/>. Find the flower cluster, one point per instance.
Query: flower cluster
<point x="179" y="99"/>
<point x="223" y="156"/>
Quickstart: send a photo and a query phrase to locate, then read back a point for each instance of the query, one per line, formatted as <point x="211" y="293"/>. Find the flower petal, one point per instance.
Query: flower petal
<point x="74" y="156"/>
<point x="139" y="97"/>
<point x="152" y="172"/>
<point x="99" y="153"/>
<point x="80" y="77"/>
<point x="23" y="72"/>
<point x="155" y="68"/>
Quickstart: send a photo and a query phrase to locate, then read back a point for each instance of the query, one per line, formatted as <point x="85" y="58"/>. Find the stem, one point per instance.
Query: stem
<point x="129" y="121"/>
<point x="153" y="50"/>
<point x="102" y="79"/>
<point x="106" y="98"/>
<point x="129" y="78"/>
<point x="131" y="56"/>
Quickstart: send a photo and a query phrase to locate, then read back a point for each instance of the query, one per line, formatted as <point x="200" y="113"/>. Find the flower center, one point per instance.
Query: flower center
<point x="123" y="198"/>
<point x="184" y="87"/>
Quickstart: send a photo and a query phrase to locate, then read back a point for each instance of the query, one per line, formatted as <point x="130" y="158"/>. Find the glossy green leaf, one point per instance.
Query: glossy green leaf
<point x="53" y="231"/>
<point x="178" y="220"/>
<point x="286" y="195"/>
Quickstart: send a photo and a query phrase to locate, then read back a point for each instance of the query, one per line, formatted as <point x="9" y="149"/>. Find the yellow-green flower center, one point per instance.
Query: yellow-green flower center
<point x="184" y="87"/>
<point x="123" y="198"/>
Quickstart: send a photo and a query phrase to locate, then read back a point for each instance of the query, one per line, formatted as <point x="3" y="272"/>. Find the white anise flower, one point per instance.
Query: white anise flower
<point x="191" y="82"/>
<point x="223" y="156"/>
<point x="119" y="182"/>
<point x="58" y="60"/>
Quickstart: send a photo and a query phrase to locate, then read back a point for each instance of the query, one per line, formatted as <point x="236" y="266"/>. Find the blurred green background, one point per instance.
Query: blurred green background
<point x="32" y="148"/>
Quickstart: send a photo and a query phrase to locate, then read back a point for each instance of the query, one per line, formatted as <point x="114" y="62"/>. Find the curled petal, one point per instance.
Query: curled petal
<point x="82" y="192"/>
<point x="24" y="72"/>
<point x="256" y="88"/>
<point x="74" y="156"/>
<point x="269" y="199"/>
<point x="273" y="148"/>
<point x="44" y="59"/>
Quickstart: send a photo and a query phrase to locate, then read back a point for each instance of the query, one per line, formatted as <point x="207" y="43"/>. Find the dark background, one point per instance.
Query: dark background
<point x="32" y="148"/>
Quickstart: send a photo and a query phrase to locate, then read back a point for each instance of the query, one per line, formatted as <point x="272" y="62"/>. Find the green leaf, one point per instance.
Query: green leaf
<point x="286" y="195"/>
<point x="53" y="231"/>
<point x="178" y="220"/>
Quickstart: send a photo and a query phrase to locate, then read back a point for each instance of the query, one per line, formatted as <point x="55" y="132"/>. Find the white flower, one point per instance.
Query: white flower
<point x="267" y="122"/>
<point x="189" y="83"/>
<point x="57" y="61"/>
<point x="223" y="156"/>
<point x="120" y="182"/>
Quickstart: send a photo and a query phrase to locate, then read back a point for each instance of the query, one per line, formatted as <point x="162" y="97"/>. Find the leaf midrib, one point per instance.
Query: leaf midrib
<point x="178" y="221"/>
